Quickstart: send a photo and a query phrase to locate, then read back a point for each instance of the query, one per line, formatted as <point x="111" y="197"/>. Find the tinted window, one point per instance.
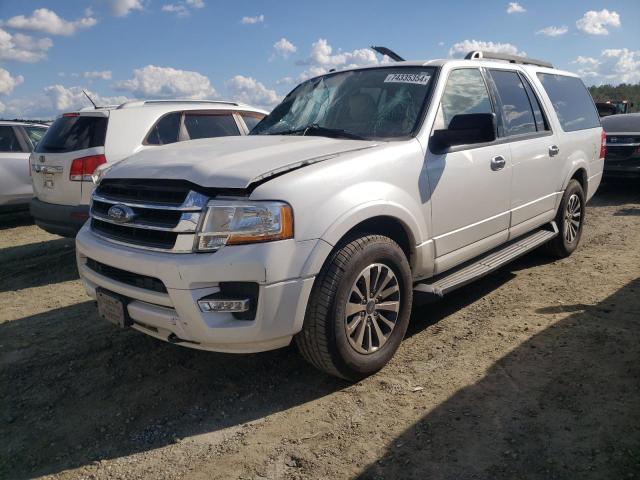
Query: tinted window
<point x="251" y="120"/>
<point x="68" y="134"/>
<point x="165" y="130"/>
<point x="206" y="126"/>
<point x="35" y="134"/>
<point x="516" y="109"/>
<point x="541" y="122"/>
<point x="8" y="140"/>
<point x="571" y="101"/>
<point x="465" y="93"/>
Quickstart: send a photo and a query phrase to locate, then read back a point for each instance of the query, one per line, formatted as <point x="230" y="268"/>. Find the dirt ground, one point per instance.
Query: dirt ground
<point x="532" y="372"/>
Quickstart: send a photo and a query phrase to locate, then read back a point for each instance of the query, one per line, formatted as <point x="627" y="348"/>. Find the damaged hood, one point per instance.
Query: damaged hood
<point x="232" y="162"/>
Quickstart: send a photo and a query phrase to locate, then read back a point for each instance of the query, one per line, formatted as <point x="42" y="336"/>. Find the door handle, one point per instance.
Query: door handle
<point x="497" y="163"/>
<point x="553" y="150"/>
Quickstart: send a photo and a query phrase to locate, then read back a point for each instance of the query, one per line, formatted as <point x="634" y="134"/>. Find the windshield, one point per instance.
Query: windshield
<point x="376" y="103"/>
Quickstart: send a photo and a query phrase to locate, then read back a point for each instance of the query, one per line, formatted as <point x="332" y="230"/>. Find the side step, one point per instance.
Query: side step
<point x="481" y="266"/>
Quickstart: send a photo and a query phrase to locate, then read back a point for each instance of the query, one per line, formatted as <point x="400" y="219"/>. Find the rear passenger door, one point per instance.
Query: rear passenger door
<point x="15" y="184"/>
<point x="536" y="163"/>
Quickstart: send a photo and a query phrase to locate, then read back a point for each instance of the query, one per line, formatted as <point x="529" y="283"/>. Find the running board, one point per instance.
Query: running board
<point x="489" y="262"/>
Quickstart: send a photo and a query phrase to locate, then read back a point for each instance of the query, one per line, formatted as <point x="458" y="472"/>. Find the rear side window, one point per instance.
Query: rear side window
<point x="207" y="126"/>
<point x="8" y="140"/>
<point x="571" y="101"/>
<point x="68" y="134"/>
<point x="516" y="109"/>
<point x="166" y="130"/>
<point x="35" y="134"/>
<point x="251" y="120"/>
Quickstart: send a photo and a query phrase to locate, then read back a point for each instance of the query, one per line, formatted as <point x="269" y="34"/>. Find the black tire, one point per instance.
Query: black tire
<point x="324" y="341"/>
<point x="562" y="246"/>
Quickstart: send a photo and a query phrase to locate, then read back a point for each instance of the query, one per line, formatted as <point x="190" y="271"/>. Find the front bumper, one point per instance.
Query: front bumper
<point x="64" y="220"/>
<point x="278" y="268"/>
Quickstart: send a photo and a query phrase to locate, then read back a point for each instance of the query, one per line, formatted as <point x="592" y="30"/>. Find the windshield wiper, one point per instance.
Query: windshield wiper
<point x="315" y="129"/>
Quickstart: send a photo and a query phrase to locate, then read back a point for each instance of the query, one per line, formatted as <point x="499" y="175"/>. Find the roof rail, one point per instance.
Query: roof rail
<point x="478" y="54"/>
<point x="139" y="103"/>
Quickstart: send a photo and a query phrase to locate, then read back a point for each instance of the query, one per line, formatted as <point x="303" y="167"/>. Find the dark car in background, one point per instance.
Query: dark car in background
<point x="623" y="146"/>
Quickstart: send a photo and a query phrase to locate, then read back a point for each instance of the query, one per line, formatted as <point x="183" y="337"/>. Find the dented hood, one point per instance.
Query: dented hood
<point x="232" y="162"/>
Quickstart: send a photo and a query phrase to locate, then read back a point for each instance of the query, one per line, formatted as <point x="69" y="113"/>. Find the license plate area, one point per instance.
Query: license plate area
<point x="113" y="307"/>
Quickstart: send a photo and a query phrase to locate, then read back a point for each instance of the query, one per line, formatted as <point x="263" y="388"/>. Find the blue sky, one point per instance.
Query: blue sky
<point x="256" y="51"/>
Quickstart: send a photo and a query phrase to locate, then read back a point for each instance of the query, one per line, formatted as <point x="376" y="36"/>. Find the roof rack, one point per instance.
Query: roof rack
<point x="478" y="54"/>
<point x="139" y="103"/>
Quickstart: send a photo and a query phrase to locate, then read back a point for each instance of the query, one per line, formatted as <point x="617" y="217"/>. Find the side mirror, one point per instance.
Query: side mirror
<point x="466" y="129"/>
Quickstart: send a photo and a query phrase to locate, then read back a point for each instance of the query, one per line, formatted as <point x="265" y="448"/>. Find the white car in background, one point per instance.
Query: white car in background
<point x="17" y="141"/>
<point x="81" y="144"/>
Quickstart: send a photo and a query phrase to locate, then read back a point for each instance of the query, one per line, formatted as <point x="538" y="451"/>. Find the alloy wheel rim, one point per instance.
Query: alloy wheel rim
<point x="572" y="218"/>
<point x="372" y="308"/>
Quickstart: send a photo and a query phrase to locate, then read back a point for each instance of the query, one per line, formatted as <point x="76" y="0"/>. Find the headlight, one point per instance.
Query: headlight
<point x="229" y="222"/>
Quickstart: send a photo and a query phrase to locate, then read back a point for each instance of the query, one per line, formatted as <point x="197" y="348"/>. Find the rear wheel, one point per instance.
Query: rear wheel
<point x="570" y="219"/>
<point x="359" y="308"/>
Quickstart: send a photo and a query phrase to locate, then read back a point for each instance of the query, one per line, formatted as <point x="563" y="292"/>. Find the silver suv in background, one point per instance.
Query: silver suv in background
<point x="17" y="141"/>
<point x="362" y="188"/>
<point x="82" y="144"/>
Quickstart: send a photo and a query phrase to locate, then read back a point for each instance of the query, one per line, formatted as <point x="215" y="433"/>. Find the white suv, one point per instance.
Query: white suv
<point x="361" y="188"/>
<point x="81" y="144"/>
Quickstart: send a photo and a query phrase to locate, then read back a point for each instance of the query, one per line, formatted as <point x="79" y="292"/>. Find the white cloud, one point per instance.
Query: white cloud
<point x="122" y="8"/>
<point x="321" y="59"/>
<point x="166" y="82"/>
<point x="7" y="82"/>
<point x="182" y="9"/>
<point x="55" y="99"/>
<point x="285" y="81"/>
<point x="196" y="3"/>
<point x="252" y="20"/>
<point x="615" y="65"/>
<point x="178" y="8"/>
<point x="464" y="47"/>
<point x="23" y="48"/>
<point x="553" y="31"/>
<point x="249" y="90"/>
<point x="515" y="7"/>
<point x="103" y="74"/>
<point x="594" y="23"/>
<point x="47" y="21"/>
<point x="284" y="47"/>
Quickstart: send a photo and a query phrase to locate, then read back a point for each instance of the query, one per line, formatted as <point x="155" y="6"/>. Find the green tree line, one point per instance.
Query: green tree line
<point x="624" y="91"/>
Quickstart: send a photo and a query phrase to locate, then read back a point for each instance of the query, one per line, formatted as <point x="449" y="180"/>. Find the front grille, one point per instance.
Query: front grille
<point x="160" y="214"/>
<point x="130" y="278"/>
<point x="136" y="236"/>
<point x="168" y="192"/>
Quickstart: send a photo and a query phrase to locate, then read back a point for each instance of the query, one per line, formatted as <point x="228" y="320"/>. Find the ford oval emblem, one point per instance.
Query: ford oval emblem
<point x="120" y="213"/>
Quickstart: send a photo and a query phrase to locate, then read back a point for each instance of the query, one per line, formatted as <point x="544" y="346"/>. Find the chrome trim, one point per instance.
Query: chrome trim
<point x="144" y="247"/>
<point x="192" y="208"/>
<point x="193" y="203"/>
<point x="46" y="168"/>
<point x="614" y="144"/>
<point x="187" y="224"/>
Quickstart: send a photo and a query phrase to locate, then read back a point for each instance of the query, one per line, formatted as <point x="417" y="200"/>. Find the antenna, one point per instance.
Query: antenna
<point x="92" y="102"/>
<point x="388" y="52"/>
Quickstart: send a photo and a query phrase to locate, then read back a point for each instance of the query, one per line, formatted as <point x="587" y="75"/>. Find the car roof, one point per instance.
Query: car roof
<point x="170" y="105"/>
<point x="462" y="62"/>
<point x="25" y="124"/>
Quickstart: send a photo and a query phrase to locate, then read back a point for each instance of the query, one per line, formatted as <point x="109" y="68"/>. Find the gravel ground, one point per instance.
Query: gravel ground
<point x="532" y="372"/>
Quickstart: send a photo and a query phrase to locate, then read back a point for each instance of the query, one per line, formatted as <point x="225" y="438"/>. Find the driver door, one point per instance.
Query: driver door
<point x="470" y="184"/>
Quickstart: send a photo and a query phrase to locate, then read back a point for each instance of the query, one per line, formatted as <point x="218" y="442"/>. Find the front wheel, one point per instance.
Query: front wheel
<point x="570" y="219"/>
<point x="359" y="308"/>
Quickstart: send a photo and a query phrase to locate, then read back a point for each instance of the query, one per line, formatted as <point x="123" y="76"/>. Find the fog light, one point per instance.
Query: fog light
<point x="224" y="305"/>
